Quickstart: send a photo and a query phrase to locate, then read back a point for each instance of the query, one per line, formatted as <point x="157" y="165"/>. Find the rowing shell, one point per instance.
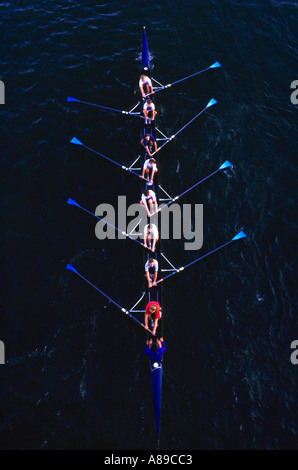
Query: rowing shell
<point x="154" y="293"/>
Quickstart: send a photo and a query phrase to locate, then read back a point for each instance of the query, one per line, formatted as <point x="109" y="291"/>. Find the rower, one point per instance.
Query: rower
<point x="151" y="236"/>
<point x="155" y="349"/>
<point x="151" y="270"/>
<point x="149" y="168"/>
<point x="149" y="111"/>
<point x="149" y="201"/>
<point x="152" y="314"/>
<point x="145" y="85"/>
<point x="149" y="144"/>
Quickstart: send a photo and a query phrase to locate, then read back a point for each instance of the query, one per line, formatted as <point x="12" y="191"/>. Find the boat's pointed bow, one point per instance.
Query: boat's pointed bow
<point x="145" y="54"/>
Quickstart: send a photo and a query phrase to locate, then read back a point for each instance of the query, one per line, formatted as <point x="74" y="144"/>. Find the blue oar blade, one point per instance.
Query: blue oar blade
<point x="226" y="164"/>
<point x="72" y="202"/>
<point x="71" y="268"/>
<point x="76" y="141"/>
<point x="69" y="99"/>
<point x="215" y="65"/>
<point x="211" y="103"/>
<point x="239" y="236"/>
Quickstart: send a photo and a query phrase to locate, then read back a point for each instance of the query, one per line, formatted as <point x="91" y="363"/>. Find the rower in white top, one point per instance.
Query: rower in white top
<point x="151" y="270"/>
<point x="145" y="85"/>
<point x="149" y="111"/>
<point x="149" y="202"/>
<point x="151" y="236"/>
<point x="149" y="169"/>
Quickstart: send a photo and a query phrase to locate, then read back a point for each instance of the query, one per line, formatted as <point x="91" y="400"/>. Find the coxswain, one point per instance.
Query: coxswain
<point x="149" y="201"/>
<point x="151" y="270"/>
<point x="145" y="85"/>
<point x="152" y="314"/>
<point x="149" y="169"/>
<point x="155" y="349"/>
<point x="151" y="236"/>
<point x="149" y="144"/>
<point x="149" y="109"/>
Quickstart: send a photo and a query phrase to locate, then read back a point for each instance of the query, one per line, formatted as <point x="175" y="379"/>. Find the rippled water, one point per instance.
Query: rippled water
<point x="75" y="376"/>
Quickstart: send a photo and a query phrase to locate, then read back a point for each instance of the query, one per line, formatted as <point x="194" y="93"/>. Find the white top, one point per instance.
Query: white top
<point x="155" y="266"/>
<point x="151" y="195"/>
<point x="147" y="164"/>
<point x="147" y="80"/>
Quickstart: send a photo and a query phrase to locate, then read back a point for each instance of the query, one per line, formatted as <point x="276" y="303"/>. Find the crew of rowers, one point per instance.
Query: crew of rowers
<point x="154" y="348"/>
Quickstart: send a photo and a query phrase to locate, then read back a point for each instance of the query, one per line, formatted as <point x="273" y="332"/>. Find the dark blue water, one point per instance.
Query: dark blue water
<point x="75" y="376"/>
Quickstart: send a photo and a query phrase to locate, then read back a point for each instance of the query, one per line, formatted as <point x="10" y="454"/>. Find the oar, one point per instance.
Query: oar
<point x="225" y="165"/>
<point x="213" y="66"/>
<point x="211" y="103"/>
<point x="71" y="100"/>
<point x="78" y="142"/>
<point x="237" y="237"/>
<point x="127" y="235"/>
<point x="71" y="268"/>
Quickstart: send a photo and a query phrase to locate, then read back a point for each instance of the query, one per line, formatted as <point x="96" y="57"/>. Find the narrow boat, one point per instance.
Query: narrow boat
<point x="154" y="293"/>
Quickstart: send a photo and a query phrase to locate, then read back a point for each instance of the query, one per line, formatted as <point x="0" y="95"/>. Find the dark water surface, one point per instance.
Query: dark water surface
<point x="75" y="376"/>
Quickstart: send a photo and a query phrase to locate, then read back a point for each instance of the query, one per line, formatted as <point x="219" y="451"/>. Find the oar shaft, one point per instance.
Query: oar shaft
<point x="99" y="290"/>
<point x="186" y="191"/>
<point x="189" y="76"/>
<point x="103" y="156"/>
<point x="195" y="261"/>
<point x="180" y="130"/>
<point x="195" y="185"/>
<point x="106" y="108"/>
<point x="114" y="162"/>
<point x="179" y="81"/>
<point x="188" y="123"/>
